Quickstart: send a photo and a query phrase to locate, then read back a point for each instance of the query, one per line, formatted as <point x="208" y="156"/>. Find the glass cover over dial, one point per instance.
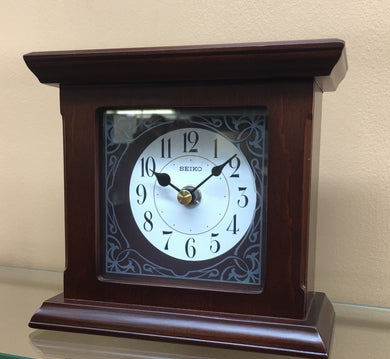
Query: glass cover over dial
<point x="183" y="194"/>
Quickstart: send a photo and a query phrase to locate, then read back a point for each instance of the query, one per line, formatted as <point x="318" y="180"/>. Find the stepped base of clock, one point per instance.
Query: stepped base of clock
<point x="309" y="337"/>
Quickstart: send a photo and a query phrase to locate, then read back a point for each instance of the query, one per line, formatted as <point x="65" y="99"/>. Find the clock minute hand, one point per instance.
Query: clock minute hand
<point x="215" y="171"/>
<point x="164" y="180"/>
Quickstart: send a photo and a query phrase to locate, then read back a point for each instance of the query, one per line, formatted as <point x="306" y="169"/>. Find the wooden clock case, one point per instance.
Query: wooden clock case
<point x="288" y="78"/>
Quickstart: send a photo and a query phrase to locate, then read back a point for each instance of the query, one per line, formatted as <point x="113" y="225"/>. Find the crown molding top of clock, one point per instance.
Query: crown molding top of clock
<point x="324" y="60"/>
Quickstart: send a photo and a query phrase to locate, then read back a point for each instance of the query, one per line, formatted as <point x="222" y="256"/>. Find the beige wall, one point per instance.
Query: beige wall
<point x="353" y="251"/>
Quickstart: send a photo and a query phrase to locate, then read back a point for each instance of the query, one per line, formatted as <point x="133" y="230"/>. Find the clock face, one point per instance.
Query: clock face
<point x="183" y="197"/>
<point x="192" y="194"/>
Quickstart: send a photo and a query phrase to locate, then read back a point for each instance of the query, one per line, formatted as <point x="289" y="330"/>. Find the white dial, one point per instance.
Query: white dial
<point x="192" y="194"/>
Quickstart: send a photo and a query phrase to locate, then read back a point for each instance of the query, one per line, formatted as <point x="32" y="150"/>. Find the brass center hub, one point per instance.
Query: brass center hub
<point x="184" y="197"/>
<point x="189" y="196"/>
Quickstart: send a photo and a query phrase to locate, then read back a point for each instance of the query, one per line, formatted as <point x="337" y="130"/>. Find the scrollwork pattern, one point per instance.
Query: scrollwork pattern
<point x="248" y="133"/>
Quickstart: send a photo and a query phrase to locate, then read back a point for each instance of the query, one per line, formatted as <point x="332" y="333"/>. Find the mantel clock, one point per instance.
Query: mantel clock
<point x="190" y="193"/>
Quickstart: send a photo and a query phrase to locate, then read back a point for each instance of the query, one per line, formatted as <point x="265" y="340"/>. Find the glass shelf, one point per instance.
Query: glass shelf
<point x="361" y="331"/>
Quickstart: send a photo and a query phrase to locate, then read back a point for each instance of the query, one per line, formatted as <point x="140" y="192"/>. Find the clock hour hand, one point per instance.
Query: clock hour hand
<point x="215" y="171"/>
<point x="164" y="180"/>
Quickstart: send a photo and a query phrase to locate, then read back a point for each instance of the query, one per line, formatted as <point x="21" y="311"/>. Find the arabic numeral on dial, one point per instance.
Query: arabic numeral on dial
<point x="148" y="224"/>
<point x="141" y="193"/>
<point x="148" y="166"/>
<point x="169" y="234"/>
<point x="243" y="200"/>
<point x="190" y="249"/>
<point x="190" y="140"/>
<point x="166" y="148"/>
<point x="233" y="225"/>
<point x="235" y="164"/>
<point x="215" y="246"/>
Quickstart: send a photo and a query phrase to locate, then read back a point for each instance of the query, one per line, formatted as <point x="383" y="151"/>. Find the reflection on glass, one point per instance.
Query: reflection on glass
<point x="82" y="346"/>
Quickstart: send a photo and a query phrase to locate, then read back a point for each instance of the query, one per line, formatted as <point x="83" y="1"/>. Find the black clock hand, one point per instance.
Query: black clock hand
<point x="215" y="171"/>
<point x="164" y="180"/>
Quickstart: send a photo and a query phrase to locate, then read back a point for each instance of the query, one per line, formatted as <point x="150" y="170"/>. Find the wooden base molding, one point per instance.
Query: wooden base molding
<point x="309" y="337"/>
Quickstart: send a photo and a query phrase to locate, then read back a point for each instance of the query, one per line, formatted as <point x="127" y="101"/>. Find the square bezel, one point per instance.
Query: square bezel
<point x="125" y="253"/>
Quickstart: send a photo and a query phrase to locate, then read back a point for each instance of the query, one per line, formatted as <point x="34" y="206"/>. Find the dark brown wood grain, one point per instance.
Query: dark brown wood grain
<point x="284" y="78"/>
<point x="308" y="338"/>
<point x="290" y="115"/>
<point x="323" y="59"/>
